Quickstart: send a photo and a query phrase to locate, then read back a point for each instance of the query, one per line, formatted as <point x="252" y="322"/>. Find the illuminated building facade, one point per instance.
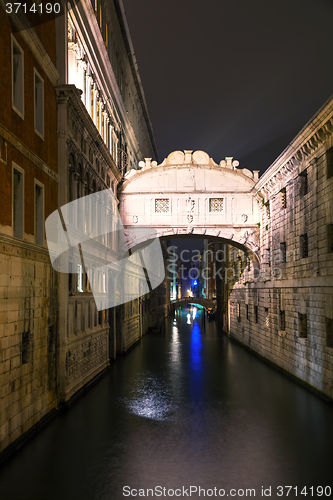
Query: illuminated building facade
<point x="104" y="130"/>
<point x="29" y="193"/>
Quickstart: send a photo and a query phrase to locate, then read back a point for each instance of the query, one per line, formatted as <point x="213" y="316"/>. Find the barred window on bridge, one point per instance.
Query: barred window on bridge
<point x="216" y="204"/>
<point x="162" y="205"/>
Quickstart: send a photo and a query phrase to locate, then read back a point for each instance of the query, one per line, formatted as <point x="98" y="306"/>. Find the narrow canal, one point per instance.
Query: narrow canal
<point x="185" y="409"/>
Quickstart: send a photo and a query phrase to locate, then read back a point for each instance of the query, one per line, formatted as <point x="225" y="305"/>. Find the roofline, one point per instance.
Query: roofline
<point x="309" y="129"/>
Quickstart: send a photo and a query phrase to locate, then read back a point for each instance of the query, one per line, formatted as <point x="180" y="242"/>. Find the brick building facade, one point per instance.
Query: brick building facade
<point x="29" y="193"/>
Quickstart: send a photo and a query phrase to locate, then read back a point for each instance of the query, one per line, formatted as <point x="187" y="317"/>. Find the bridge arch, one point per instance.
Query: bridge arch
<point x="199" y="301"/>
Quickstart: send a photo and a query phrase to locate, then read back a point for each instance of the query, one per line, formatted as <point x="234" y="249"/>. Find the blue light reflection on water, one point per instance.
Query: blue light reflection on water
<point x="196" y="347"/>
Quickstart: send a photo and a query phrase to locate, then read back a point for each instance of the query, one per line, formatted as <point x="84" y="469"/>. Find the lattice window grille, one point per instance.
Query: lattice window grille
<point x="162" y="205"/>
<point x="216" y="204"/>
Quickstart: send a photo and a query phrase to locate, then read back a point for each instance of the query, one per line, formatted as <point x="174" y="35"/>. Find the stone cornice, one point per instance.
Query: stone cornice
<point x="23" y="248"/>
<point x="190" y="159"/>
<point x="301" y="149"/>
<point x="17" y="144"/>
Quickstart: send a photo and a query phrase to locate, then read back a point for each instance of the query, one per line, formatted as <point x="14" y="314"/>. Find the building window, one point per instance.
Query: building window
<point x="256" y="314"/>
<point x="18" y="213"/>
<point x="25" y="347"/>
<point x="238" y="312"/>
<point x="302" y="326"/>
<point x="329" y="160"/>
<point x="39" y="214"/>
<point x="304" y="245"/>
<point x="216" y="204"/>
<point x="329" y="332"/>
<point x="106" y="36"/>
<point x="283" y="198"/>
<point x="282" y="320"/>
<point x="39" y="104"/>
<point x="17" y="78"/>
<point x="247" y="311"/>
<point x="162" y="205"/>
<point x="329" y="238"/>
<point x="303" y="179"/>
<point x="79" y="278"/>
<point x="266" y="317"/>
<point x="283" y="252"/>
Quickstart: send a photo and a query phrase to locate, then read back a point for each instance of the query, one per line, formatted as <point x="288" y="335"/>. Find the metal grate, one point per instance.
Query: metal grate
<point x="216" y="204"/>
<point x="162" y="205"/>
<point x="283" y="198"/>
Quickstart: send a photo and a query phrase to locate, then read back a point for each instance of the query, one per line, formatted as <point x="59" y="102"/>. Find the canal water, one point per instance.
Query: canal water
<point x="184" y="410"/>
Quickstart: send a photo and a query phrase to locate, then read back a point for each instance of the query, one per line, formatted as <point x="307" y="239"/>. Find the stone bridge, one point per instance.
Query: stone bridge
<point x="190" y="194"/>
<point x="175" y="304"/>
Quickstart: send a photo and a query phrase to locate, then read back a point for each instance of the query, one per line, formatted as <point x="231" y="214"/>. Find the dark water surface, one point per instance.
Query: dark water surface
<point x="188" y="408"/>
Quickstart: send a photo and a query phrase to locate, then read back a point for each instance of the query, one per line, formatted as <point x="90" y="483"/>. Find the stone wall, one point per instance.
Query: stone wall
<point x="283" y="309"/>
<point x="28" y="334"/>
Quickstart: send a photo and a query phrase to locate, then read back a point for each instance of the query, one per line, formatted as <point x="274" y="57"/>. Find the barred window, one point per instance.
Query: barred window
<point x="304" y="245"/>
<point x="216" y="204"/>
<point x="256" y="315"/>
<point x="283" y="195"/>
<point x="162" y="205"/>
<point x="302" y="325"/>
<point x="304" y="186"/>
<point x="282" y="320"/>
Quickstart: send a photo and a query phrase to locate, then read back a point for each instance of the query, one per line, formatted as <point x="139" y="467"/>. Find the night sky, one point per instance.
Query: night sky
<point x="237" y="78"/>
